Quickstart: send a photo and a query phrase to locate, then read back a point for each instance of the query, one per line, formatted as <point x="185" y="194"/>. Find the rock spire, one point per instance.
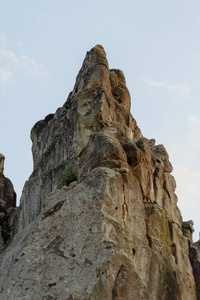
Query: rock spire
<point x="116" y="231"/>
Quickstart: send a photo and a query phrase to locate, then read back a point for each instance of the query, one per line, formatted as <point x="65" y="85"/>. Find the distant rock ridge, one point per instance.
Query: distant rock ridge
<point x="116" y="232"/>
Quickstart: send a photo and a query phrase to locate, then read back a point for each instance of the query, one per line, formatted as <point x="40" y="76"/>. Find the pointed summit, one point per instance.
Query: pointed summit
<point x="95" y="74"/>
<point x="114" y="229"/>
<point x="97" y="112"/>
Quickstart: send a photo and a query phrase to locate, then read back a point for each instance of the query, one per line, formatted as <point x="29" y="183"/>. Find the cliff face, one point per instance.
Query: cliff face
<point x="7" y="207"/>
<point x="116" y="232"/>
<point x="195" y="261"/>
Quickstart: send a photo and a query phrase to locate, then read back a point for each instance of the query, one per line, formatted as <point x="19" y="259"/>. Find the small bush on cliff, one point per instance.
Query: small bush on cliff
<point x="66" y="178"/>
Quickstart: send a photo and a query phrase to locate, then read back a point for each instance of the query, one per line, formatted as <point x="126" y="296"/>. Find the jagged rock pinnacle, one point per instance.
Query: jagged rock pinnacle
<point x="95" y="74"/>
<point x="116" y="231"/>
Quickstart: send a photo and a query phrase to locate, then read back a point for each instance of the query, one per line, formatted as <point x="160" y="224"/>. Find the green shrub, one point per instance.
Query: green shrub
<point x="66" y="178"/>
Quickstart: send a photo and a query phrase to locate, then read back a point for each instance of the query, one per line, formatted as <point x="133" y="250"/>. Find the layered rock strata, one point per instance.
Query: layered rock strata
<point x="116" y="232"/>
<point x="7" y="207"/>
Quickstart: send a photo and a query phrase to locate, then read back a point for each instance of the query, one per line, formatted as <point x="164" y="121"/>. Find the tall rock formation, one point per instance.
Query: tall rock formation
<point x="116" y="232"/>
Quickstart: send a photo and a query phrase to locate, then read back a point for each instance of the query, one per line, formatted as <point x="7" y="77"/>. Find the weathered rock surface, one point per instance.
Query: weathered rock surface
<point x="2" y="158"/>
<point x="92" y="112"/>
<point x="7" y="207"/>
<point x="195" y="261"/>
<point x="116" y="232"/>
<point x="187" y="228"/>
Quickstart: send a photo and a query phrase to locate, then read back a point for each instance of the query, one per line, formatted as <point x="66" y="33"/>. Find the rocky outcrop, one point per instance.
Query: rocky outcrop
<point x="2" y="158"/>
<point x="116" y="232"/>
<point x="96" y="110"/>
<point x="187" y="228"/>
<point x="7" y="206"/>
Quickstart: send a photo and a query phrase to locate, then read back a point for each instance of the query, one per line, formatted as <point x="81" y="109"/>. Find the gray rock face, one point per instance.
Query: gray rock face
<point x="187" y="228"/>
<point x="195" y="261"/>
<point x="7" y="207"/>
<point x="116" y="232"/>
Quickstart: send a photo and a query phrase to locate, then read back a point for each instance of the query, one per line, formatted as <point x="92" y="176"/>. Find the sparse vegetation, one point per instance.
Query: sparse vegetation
<point x="66" y="178"/>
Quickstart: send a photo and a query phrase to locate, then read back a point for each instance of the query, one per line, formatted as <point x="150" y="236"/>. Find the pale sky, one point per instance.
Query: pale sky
<point x="155" y="43"/>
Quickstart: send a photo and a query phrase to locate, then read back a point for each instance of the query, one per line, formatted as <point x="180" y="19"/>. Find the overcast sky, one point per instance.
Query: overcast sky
<point x="155" y="43"/>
